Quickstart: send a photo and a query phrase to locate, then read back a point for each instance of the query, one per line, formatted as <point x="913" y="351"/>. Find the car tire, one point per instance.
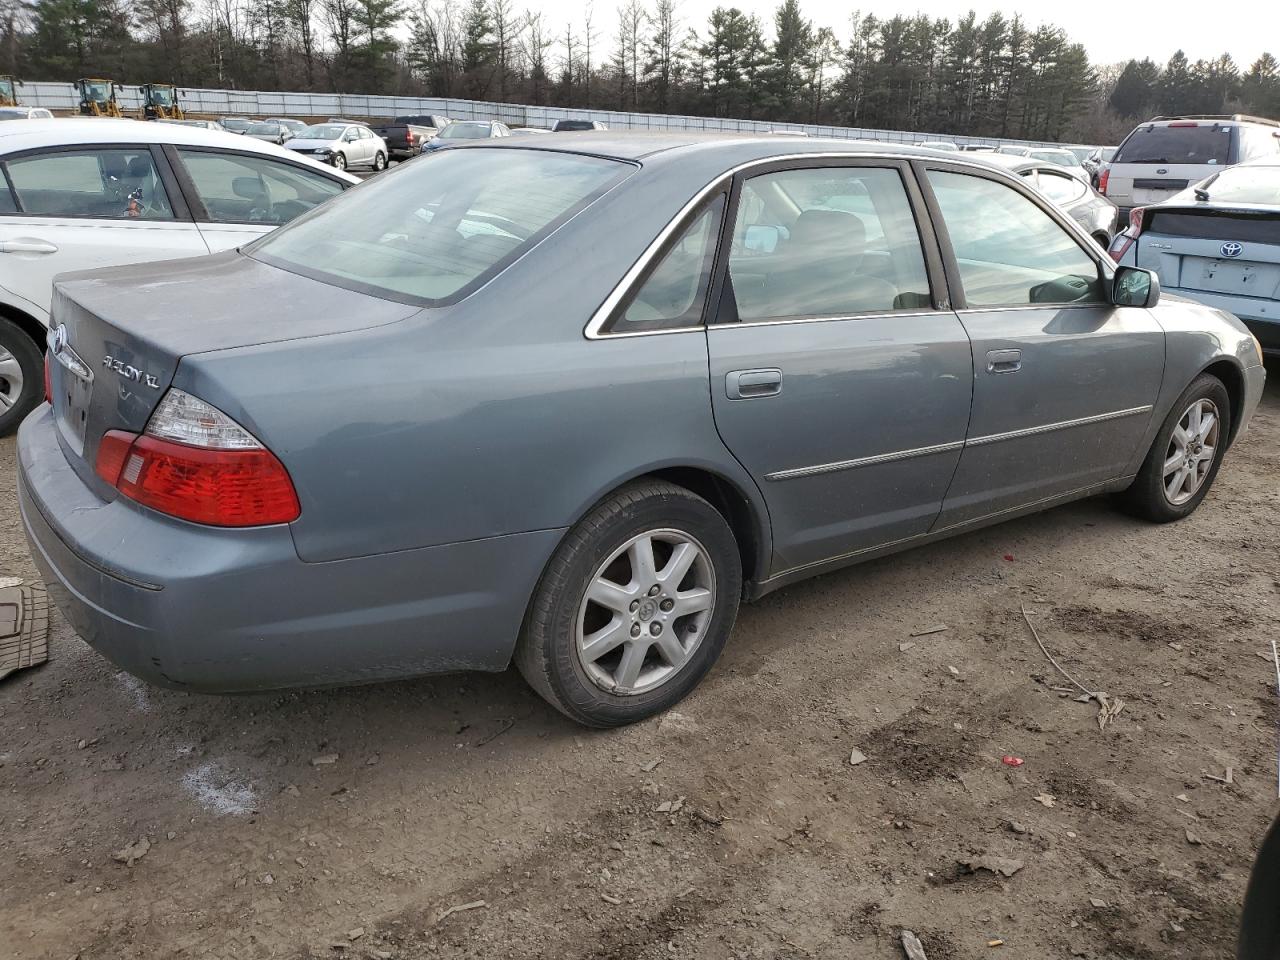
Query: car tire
<point x="21" y="376"/>
<point x="693" y="553"/>
<point x="339" y="161"/>
<point x="379" y="161"/>
<point x="1157" y="494"/>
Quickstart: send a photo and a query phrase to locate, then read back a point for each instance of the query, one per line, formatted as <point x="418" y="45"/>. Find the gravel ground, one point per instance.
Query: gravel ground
<point x="348" y="823"/>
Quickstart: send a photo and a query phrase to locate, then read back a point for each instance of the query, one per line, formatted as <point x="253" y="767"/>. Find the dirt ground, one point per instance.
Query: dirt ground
<point x="734" y="828"/>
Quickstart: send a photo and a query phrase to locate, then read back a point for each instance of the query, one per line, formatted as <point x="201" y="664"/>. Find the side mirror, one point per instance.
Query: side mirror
<point x="761" y="238"/>
<point x="1134" y="287"/>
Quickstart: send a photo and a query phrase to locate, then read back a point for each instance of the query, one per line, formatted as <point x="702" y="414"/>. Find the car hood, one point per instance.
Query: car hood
<point x="301" y="143"/>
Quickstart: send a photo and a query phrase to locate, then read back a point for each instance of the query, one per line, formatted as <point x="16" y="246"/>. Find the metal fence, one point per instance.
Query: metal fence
<point x="257" y="103"/>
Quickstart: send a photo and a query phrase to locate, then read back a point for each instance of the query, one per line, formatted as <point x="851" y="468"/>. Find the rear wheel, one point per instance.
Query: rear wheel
<point x="380" y="161"/>
<point x="634" y="606"/>
<point x="1186" y="454"/>
<point x="21" y="375"/>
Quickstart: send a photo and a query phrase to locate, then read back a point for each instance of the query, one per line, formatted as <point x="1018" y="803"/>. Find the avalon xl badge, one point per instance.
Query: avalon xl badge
<point x="1231" y="249"/>
<point x="131" y="372"/>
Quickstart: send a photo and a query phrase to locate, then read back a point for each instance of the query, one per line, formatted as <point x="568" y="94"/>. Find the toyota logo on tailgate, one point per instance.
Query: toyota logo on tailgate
<point x="1232" y="249"/>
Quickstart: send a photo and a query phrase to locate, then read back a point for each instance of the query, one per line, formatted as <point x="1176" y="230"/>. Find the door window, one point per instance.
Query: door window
<point x="1009" y="251"/>
<point x="673" y="294"/>
<point x="104" y="184"/>
<point x="244" y="189"/>
<point x="1060" y="188"/>
<point x="826" y="242"/>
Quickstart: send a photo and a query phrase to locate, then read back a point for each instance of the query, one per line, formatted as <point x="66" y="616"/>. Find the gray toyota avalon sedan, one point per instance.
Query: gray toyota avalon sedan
<point x="567" y="403"/>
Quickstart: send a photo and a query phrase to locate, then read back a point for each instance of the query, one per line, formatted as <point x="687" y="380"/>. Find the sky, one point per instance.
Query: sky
<point x="1111" y="31"/>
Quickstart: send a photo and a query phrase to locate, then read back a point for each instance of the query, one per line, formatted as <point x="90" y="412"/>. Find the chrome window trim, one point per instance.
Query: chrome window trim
<point x="623" y="288"/>
<point x="840" y="465"/>
<point x="869" y="315"/>
<point x="864" y="461"/>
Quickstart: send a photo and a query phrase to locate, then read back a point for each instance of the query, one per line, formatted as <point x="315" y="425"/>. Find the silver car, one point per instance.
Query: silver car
<point x="1219" y="243"/>
<point x="1094" y="212"/>
<point x="568" y="402"/>
<point x="341" y="144"/>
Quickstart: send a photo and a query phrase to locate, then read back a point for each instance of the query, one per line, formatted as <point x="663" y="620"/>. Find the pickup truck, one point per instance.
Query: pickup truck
<point x="406" y="135"/>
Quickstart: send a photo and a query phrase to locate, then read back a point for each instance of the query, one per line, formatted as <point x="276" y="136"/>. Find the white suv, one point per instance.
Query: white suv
<point x="86" y="193"/>
<point x="1164" y="156"/>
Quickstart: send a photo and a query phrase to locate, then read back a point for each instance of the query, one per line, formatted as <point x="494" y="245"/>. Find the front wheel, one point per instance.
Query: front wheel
<point x="634" y="607"/>
<point x="1186" y="454"/>
<point x="379" y="161"/>
<point x="339" y="161"/>
<point x="21" y="375"/>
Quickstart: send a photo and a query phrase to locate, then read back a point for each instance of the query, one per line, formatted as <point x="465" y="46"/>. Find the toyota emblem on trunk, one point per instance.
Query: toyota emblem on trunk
<point x="1232" y="249"/>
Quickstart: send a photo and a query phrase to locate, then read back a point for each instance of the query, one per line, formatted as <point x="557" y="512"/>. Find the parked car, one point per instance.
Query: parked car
<point x="528" y="131"/>
<point x="939" y="145"/>
<point x="1219" y="243"/>
<point x="206" y="124"/>
<point x="236" y="124"/>
<point x="1164" y="156"/>
<point x="94" y="193"/>
<point x="577" y="126"/>
<point x="1096" y="214"/>
<point x="461" y="130"/>
<point x="342" y="145"/>
<point x="1096" y="162"/>
<point x="25" y="113"/>
<point x="269" y="132"/>
<point x="978" y="148"/>
<point x="405" y="136"/>
<point x="1080" y="153"/>
<point x="682" y="413"/>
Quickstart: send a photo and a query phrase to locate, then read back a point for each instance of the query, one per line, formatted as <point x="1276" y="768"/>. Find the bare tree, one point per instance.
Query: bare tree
<point x="534" y="47"/>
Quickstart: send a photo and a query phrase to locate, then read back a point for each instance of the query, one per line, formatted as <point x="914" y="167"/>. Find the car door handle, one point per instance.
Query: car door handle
<point x="750" y="384"/>
<point x="1004" y="361"/>
<point x="27" y="245"/>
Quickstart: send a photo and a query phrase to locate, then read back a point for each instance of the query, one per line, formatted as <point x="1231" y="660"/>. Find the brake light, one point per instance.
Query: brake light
<point x="48" y="377"/>
<point x="1184" y="124"/>
<point x="1135" y="221"/>
<point x="1103" y="178"/>
<point x="1123" y="241"/>
<point x="196" y="463"/>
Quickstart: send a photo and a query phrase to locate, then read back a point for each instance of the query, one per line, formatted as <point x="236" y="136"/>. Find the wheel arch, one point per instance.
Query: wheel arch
<point x="1232" y="377"/>
<point x="25" y="322"/>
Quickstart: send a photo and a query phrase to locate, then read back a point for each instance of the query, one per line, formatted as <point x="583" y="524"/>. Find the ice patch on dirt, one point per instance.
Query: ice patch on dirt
<point x="137" y="691"/>
<point x="219" y="793"/>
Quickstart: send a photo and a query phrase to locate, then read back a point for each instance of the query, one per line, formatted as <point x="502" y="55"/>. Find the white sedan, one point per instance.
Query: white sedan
<point x="86" y="193"/>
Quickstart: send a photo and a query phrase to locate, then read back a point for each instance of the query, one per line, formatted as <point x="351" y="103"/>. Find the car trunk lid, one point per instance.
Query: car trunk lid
<point x="1233" y="251"/>
<point x="121" y="333"/>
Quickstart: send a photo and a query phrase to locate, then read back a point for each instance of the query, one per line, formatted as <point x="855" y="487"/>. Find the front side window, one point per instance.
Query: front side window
<point x="826" y="242"/>
<point x="1009" y="251"/>
<point x="243" y="189"/>
<point x="673" y="294"/>
<point x="433" y="231"/>
<point x="111" y="184"/>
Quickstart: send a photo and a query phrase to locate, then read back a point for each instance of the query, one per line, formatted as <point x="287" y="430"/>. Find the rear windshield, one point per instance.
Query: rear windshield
<point x="1245" y="185"/>
<point x="433" y="231"/>
<point x="467" y="131"/>
<point x="571" y="125"/>
<point x="1063" y="158"/>
<point x="1202" y="143"/>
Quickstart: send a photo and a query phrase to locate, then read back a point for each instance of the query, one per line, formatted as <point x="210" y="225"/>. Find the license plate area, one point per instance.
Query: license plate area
<point x="73" y="383"/>
<point x="1226" y="277"/>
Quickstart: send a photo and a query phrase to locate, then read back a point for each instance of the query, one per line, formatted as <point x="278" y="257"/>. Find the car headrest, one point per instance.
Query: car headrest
<point x="831" y="231"/>
<point x="139" y="167"/>
<point x="248" y="187"/>
<point x="114" y="166"/>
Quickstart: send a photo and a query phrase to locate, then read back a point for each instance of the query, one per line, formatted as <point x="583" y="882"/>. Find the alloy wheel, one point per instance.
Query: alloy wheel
<point x="1191" y="451"/>
<point x="10" y="380"/>
<point x="646" y="610"/>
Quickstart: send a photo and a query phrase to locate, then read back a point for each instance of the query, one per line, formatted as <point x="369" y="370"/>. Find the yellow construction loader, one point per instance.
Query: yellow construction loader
<point x="160" y="101"/>
<point x="98" y="97"/>
<point x="9" y="90"/>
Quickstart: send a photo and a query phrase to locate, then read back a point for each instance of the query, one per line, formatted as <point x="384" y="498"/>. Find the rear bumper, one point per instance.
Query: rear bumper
<point x="218" y="610"/>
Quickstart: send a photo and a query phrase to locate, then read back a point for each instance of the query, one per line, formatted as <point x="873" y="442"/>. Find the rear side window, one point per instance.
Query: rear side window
<point x="673" y="294"/>
<point x="241" y="189"/>
<point x="826" y="242"/>
<point x="440" y="228"/>
<point x="1194" y="143"/>
<point x="1258" y="142"/>
<point x="1009" y="251"/>
<point x="6" y="200"/>
<point x="113" y="184"/>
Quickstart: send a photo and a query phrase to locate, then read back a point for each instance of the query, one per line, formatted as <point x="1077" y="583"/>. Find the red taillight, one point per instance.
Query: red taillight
<point x="241" y="486"/>
<point x="1135" y="221"/>
<point x="1121" y="244"/>
<point x="1184" y="123"/>
<point x="1102" y="181"/>
<point x="48" y="377"/>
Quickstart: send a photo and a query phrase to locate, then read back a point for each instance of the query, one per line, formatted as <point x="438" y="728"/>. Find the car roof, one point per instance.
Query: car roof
<point x="18" y="135"/>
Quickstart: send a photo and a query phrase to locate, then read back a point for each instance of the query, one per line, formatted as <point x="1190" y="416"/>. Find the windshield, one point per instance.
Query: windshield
<point x="1063" y="158"/>
<point x="11" y="114"/>
<point x="435" y="230"/>
<point x="1192" y="143"/>
<point x="96" y="91"/>
<point x="466" y="131"/>
<point x="1245" y="185"/>
<point x="322" y="131"/>
<point x="6" y="88"/>
<point x="267" y="129"/>
<point x="162" y="96"/>
<point x="234" y="125"/>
